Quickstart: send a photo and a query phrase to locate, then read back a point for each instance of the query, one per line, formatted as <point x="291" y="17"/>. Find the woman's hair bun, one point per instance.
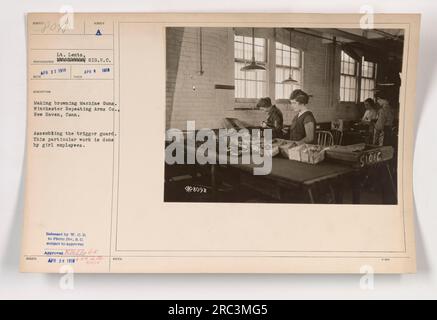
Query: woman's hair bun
<point x="300" y="96"/>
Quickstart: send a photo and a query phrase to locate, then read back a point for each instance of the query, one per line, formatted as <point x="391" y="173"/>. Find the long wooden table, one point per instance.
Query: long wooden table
<point x="290" y="176"/>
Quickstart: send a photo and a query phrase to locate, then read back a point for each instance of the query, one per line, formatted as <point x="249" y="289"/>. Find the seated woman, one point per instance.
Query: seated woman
<point x="275" y="120"/>
<point x="303" y="126"/>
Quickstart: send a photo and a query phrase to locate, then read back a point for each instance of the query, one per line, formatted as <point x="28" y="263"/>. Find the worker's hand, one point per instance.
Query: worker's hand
<point x="264" y="124"/>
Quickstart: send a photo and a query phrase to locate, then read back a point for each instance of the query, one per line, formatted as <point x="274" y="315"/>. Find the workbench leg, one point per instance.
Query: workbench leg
<point x="356" y="192"/>
<point x="333" y="193"/>
<point x="392" y="184"/>
<point x="310" y="195"/>
<point x="213" y="182"/>
<point x="338" y="192"/>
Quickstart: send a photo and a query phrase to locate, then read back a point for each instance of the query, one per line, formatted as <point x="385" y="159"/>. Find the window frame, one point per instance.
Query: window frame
<point x="355" y="76"/>
<point x="244" y="61"/>
<point x="287" y="68"/>
<point x="366" y="77"/>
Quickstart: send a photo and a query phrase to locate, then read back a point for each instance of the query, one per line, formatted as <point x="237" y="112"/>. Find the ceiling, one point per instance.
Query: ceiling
<point x="388" y="42"/>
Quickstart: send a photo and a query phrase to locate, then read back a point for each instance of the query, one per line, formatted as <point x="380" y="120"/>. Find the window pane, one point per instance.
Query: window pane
<point x="260" y="42"/>
<point x="287" y="91"/>
<point x="239" y="50"/>
<point x="367" y="89"/>
<point x="250" y="75"/>
<point x="283" y="70"/>
<point x="347" y="82"/>
<point x="238" y="38"/>
<point x="348" y="88"/>
<point x="261" y="89"/>
<point x="239" y="88"/>
<point x="249" y="84"/>
<point x="247" y="51"/>
<point x="279" y="91"/>
<point x="250" y="89"/>
<point x="240" y="74"/>
<point x="278" y="57"/>
<point x="286" y="58"/>
<point x="295" y="59"/>
<point x="296" y="74"/>
<point x="347" y="64"/>
<point x="279" y="74"/>
<point x="259" y="54"/>
<point x="364" y="69"/>
<point x="261" y="75"/>
<point x="352" y="68"/>
<point x="370" y="70"/>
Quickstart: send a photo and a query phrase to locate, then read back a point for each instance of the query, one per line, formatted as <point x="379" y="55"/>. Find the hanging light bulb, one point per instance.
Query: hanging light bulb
<point x="385" y="83"/>
<point x="253" y="65"/>
<point x="290" y="78"/>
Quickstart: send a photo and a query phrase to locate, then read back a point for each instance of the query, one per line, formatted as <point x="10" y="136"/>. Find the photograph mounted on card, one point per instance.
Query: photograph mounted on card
<point x="234" y="143"/>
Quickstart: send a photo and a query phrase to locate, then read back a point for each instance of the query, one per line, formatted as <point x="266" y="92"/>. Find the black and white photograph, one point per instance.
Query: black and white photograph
<point x="218" y="157"/>
<point x="283" y="115"/>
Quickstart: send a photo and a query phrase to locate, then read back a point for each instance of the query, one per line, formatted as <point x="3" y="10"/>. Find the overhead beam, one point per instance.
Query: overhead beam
<point x="387" y="35"/>
<point x="394" y="48"/>
<point x="355" y="37"/>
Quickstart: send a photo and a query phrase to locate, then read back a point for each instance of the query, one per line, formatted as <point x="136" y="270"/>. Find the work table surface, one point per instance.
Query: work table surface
<point x="299" y="172"/>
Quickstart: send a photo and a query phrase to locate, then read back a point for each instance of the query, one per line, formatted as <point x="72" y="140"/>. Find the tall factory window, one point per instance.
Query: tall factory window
<point x="288" y="66"/>
<point x="250" y="84"/>
<point x="348" y="78"/>
<point x="368" y="79"/>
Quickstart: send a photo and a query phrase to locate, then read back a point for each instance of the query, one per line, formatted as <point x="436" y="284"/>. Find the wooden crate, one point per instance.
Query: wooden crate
<point x="360" y="155"/>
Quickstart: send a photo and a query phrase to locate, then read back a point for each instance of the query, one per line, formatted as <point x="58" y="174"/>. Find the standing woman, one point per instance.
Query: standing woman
<point x="384" y="123"/>
<point x="369" y="118"/>
<point x="371" y="114"/>
<point x="303" y="126"/>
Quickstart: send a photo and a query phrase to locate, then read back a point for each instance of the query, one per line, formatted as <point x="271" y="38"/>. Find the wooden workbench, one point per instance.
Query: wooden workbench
<point x="288" y="176"/>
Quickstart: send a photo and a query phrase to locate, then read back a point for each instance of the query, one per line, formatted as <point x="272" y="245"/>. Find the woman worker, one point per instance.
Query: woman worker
<point x="371" y="113"/>
<point x="303" y="126"/>
<point x="369" y="118"/>
<point x="275" y="120"/>
<point x="384" y="123"/>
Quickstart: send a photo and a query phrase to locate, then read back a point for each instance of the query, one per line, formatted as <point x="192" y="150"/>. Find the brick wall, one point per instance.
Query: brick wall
<point x="190" y="94"/>
<point x="193" y="96"/>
